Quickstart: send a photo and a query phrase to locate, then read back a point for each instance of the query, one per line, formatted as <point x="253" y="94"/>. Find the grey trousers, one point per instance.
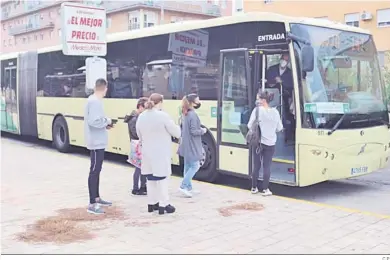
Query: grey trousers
<point x="263" y="157"/>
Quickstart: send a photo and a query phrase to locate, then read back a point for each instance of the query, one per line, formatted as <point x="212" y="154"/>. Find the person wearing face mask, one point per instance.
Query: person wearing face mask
<point x="281" y="73"/>
<point x="190" y="147"/>
<point x="270" y="123"/>
<point x="155" y="130"/>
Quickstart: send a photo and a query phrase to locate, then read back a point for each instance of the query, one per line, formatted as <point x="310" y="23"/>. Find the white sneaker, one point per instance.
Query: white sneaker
<point x="195" y="192"/>
<point x="187" y="193"/>
<point x="266" y="192"/>
<point x="254" y="190"/>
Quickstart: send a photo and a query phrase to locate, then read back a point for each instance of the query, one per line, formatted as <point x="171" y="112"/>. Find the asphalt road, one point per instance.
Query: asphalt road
<point x="370" y="193"/>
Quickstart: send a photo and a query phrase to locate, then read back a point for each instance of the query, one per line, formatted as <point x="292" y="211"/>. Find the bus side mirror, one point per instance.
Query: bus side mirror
<point x="307" y="58"/>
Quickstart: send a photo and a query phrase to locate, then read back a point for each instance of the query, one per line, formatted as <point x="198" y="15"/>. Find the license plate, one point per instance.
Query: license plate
<point x="359" y="170"/>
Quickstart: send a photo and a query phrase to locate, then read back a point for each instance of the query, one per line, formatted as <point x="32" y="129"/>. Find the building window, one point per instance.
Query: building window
<point x="108" y="22"/>
<point x="4" y="27"/>
<point x="150" y="19"/>
<point x="15" y="41"/>
<point x="238" y="6"/>
<point x="50" y="14"/>
<point x="24" y="39"/>
<point x="134" y="22"/>
<point x="42" y="36"/>
<point x="9" y="42"/>
<point x="383" y="17"/>
<point x="59" y="33"/>
<point x="175" y="19"/>
<point x="5" y="43"/>
<point x="51" y="34"/>
<point x="352" y="19"/>
<point x="36" y="37"/>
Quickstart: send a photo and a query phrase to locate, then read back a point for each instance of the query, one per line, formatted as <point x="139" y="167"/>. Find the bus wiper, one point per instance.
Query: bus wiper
<point x="337" y="125"/>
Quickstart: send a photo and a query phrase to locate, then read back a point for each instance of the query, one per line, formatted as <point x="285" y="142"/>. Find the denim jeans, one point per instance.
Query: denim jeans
<point x="190" y="169"/>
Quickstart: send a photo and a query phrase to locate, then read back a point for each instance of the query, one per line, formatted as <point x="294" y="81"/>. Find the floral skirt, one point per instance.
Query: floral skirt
<point x="135" y="155"/>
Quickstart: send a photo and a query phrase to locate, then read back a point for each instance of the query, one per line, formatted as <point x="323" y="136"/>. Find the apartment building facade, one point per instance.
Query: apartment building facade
<point x="32" y="24"/>
<point x="371" y="15"/>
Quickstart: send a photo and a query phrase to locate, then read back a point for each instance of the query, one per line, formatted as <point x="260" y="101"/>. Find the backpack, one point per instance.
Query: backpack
<point x="254" y="134"/>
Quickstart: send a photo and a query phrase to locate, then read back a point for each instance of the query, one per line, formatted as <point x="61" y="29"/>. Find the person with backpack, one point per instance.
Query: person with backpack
<point x="135" y="156"/>
<point x="190" y="147"/>
<point x="263" y="125"/>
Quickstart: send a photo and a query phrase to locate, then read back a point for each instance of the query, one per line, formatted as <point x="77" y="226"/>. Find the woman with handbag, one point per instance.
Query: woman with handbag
<point x="135" y="156"/>
<point x="263" y="125"/>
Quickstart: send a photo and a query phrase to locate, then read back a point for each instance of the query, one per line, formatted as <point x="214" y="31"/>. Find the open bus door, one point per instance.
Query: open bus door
<point x="234" y="109"/>
<point x="242" y="75"/>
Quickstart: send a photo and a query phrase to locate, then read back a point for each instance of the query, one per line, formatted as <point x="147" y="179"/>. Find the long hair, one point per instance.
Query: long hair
<point x="153" y="100"/>
<point x="187" y="103"/>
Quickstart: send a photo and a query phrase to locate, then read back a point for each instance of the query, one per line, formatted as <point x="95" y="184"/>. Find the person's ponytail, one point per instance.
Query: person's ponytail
<point x="149" y="104"/>
<point x="185" y="106"/>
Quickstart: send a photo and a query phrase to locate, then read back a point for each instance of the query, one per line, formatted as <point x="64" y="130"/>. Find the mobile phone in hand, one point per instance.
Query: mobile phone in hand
<point x="113" y="122"/>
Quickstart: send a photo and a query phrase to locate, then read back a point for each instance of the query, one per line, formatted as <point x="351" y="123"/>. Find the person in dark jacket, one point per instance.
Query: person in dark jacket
<point x="190" y="147"/>
<point x="135" y="156"/>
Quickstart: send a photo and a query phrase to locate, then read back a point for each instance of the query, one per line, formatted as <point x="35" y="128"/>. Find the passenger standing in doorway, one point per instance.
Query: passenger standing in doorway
<point x="135" y="156"/>
<point x="155" y="130"/>
<point x="96" y="125"/>
<point x="270" y="123"/>
<point x="190" y="147"/>
<point x="281" y="73"/>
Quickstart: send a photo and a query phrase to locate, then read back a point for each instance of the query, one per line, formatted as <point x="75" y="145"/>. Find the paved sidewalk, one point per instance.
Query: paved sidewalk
<point x="36" y="182"/>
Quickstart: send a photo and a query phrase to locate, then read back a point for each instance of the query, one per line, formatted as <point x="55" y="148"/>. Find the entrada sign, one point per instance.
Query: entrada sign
<point x="271" y="37"/>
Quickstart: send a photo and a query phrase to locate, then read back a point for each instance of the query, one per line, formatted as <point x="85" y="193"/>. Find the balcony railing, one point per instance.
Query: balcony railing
<point x="179" y="6"/>
<point x="22" y="29"/>
<point x="34" y="8"/>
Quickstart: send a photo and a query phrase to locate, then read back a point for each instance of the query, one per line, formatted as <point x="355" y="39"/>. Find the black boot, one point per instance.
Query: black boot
<point x="169" y="209"/>
<point x="154" y="207"/>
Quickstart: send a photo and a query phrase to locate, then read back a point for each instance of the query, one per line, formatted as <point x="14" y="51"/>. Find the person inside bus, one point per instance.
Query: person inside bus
<point x="190" y="147"/>
<point x="281" y="73"/>
<point x="135" y="156"/>
<point x="155" y="130"/>
<point x="270" y="123"/>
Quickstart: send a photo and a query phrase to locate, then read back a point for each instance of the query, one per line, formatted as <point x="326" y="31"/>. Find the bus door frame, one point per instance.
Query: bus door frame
<point x="12" y="103"/>
<point x="221" y="96"/>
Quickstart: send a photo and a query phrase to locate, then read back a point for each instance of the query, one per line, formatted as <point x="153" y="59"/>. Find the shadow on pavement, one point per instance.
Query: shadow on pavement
<point x="318" y="192"/>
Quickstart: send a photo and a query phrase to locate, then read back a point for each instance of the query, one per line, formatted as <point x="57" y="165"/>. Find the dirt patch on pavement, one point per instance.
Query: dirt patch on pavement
<point x="69" y="226"/>
<point x="231" y="210"/>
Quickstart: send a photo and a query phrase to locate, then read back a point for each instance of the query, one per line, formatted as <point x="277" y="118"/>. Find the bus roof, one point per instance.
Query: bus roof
<point x="199" y="24"/>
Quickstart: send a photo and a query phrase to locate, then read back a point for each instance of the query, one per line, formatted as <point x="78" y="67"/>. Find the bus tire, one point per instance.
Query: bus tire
<point x="60" y="134"/>
<point x="208" y="171"/>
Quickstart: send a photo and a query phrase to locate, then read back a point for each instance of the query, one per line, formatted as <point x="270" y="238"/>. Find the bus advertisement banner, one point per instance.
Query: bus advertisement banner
<point x="83" y="30"/>
<point x="189" y="48"/>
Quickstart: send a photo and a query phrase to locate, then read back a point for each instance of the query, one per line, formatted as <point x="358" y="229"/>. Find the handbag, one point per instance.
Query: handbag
<point x="254" y="134"/>
<point x="135" y="155"/>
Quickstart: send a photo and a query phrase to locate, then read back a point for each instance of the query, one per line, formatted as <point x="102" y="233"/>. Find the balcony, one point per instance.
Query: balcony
<point x="22" y="29"/>
<point x="182" y="6"/>
<point x="32" y="8"/>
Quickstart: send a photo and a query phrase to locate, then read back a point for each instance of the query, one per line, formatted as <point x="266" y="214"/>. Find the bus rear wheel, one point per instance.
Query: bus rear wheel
<point x="61" y="135"/>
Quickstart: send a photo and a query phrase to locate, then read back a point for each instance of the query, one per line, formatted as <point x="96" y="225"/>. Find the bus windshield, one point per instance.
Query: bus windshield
<point x="345" y="79"/>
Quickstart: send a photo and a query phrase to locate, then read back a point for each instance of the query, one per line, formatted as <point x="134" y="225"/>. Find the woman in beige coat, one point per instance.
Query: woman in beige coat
<point x="155" y="129"/>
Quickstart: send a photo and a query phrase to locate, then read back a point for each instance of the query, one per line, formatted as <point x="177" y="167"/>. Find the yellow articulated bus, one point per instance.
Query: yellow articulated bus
<point x="331" y="97"/>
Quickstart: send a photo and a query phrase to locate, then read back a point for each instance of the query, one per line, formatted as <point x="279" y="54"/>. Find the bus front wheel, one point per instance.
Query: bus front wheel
<point x="61" y="135"/>
<point x="208" y="169"/>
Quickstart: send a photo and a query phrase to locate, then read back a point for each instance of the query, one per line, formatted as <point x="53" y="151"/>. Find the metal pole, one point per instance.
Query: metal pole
<point x="162" y="18"/>
<point x="263" y="73"/>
